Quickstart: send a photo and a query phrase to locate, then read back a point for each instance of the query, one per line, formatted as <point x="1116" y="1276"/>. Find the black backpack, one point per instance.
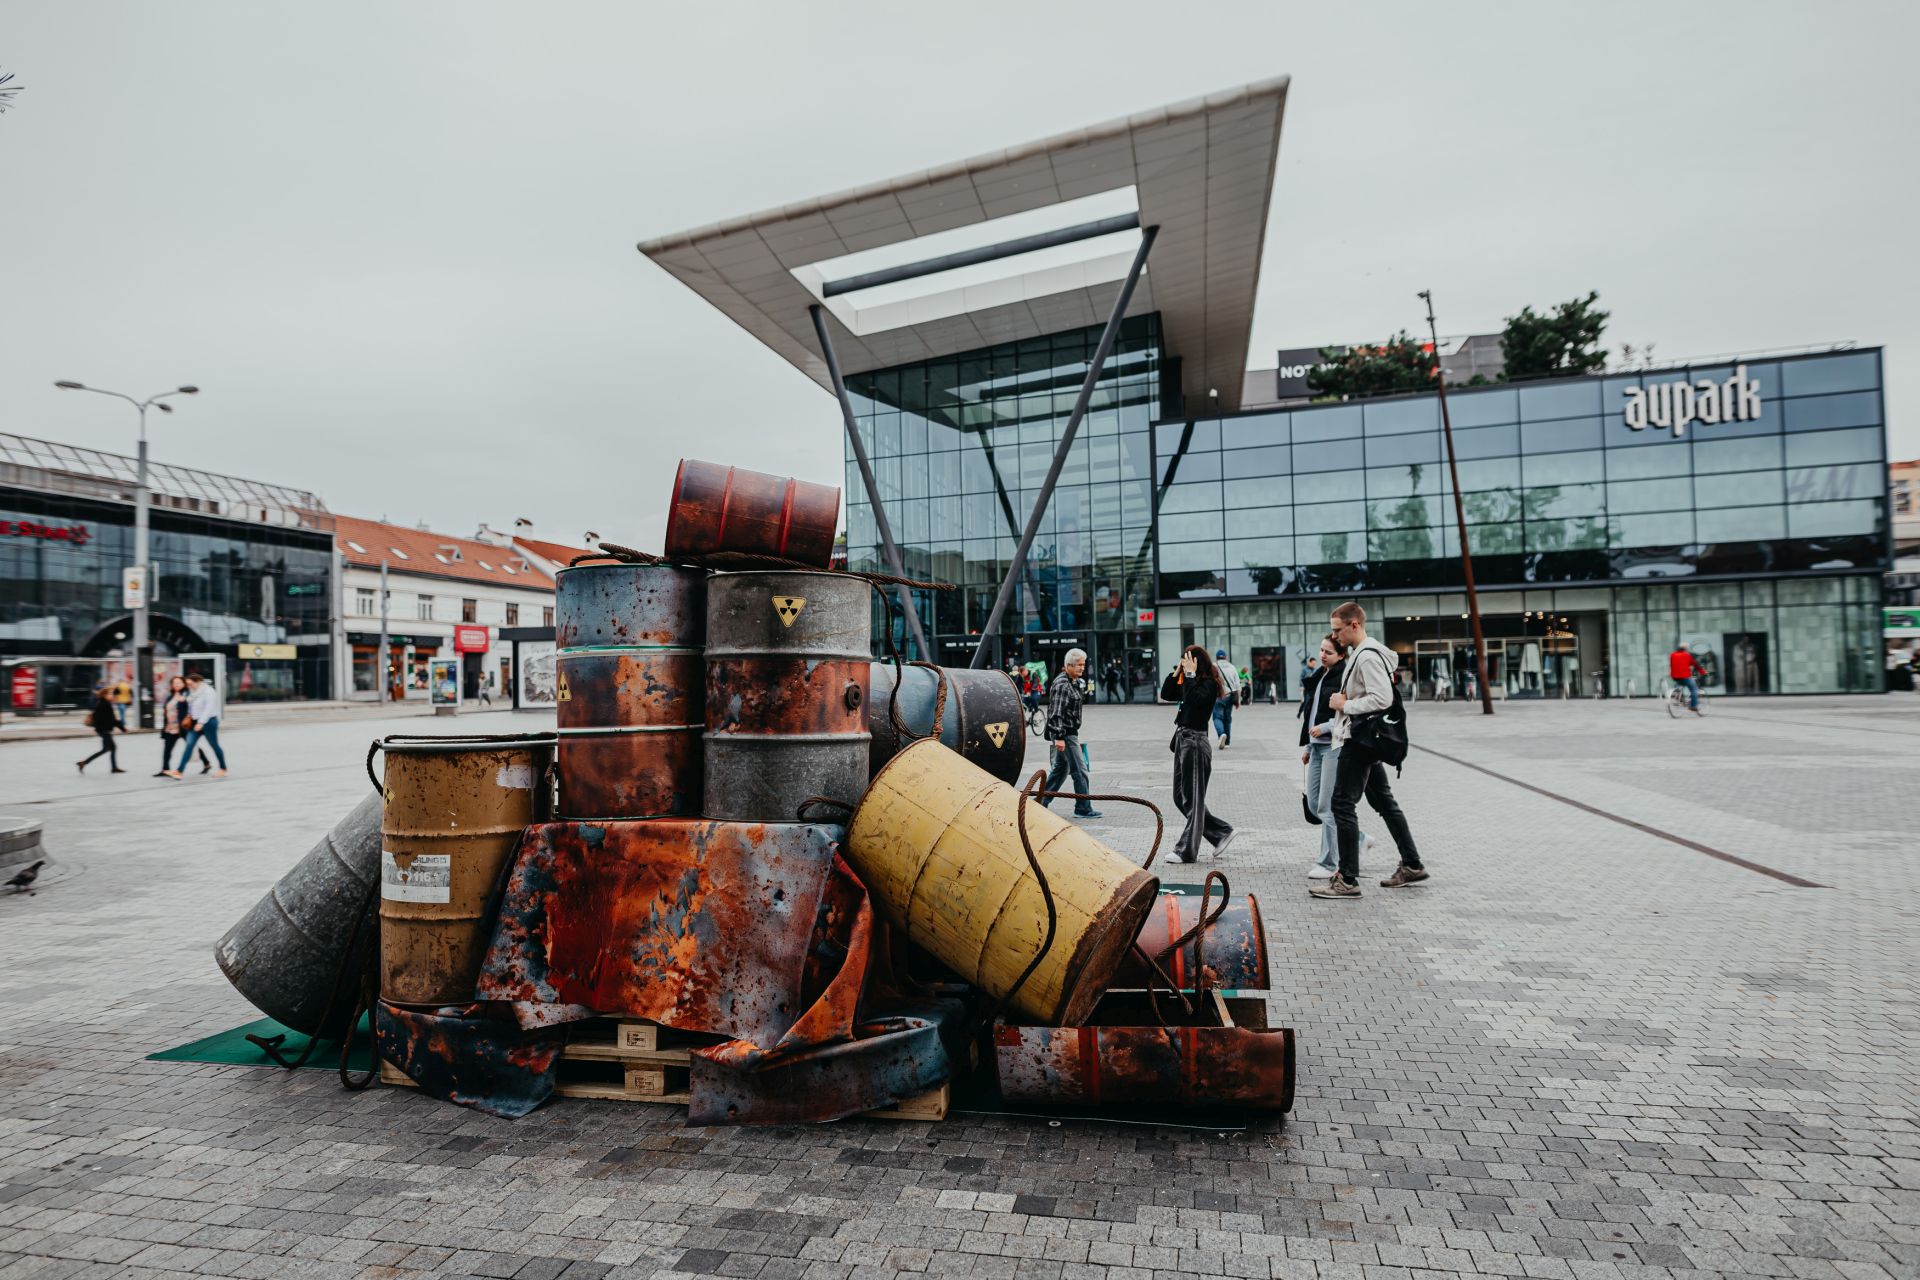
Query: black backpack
<point x="1384" y="733"/>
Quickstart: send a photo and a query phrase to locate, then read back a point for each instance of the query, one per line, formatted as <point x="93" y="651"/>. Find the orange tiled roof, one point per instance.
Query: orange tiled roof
<point x="365" y="543"/>
<point x="553" y="552"/>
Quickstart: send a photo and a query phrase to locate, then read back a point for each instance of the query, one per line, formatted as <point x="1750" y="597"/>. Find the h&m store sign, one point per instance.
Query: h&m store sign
<point x="1673" y="405"/>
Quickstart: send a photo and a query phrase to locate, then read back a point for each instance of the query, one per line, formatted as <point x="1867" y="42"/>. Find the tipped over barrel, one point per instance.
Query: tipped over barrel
<point x="731" y="509"/>
<point x="982" y="719"/>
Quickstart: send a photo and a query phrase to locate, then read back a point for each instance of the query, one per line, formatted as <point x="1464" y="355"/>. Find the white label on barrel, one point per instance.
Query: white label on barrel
<point x="515" y="777"/>
<point x="427" y="877"/>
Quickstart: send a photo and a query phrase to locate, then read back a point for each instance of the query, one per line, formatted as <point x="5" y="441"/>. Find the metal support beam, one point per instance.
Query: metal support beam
<point x="1094" y="368"/>
<point x="888" y="546"/>
<point x="986" y="253"/>
<point x="1459" y="515"/>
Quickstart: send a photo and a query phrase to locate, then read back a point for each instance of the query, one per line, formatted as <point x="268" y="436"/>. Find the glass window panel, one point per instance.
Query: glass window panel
<point x="1835" y="446"/>
<point x="1252" y="553"/>
<point x="1394" y="482"/>
<point x="1565" y="468"/>
<point x="1329" y="548"/>
<point x="1403" y="544"/>
<point x="1329" y="517"/>
<point x="1559" y="500"/>
<point x="1206" y="435"/>
<point x="1136" y="502"/>
<point x="1190" y="528"/>
<point x="1190" y="497"/>
<point x="1393" y="417"/>
<point x="1667" y="529"/>
<point x="1574" y="399"/>
<point x="1483" y="408"/>
<point x="1491" y="506"/>
<point x="1835" y="484"/>
<point x="1823" y="413"/>
<point x="1332" y="486"/>
<point x="1194" y="467"/>
<point x="1254" y="431"/>
<point x="1166" y="438"/>
<point x="1736" y="455"/>
<point x="1259" y="522"/>
<point x="1403" y="513"/>
<point x="1582" y="533"/>
<point x="1825" y="374"/>
<point x="1272" y="461"/>
<point x="1561" y="436"/>
<point x="1491" y="539"/>
<point x="1265" y="491"/>
<point x="1330" y="455"/>
<point x="1133" y="456"/>
<point x="1385" y="451"/>
<point x="1184" y="557"/>
<point x="1490" y="473"/>
<point x="1834" y="519"/>
<point x="1809" y="591"/>
<point x="1339" y="423"/>
<point x="1740" y="489"/>
<point x="1486" y="442"/>
<point x="1741" y="524"/>
<point x="1632" y="496"/>
<point x="1671" y="459"/>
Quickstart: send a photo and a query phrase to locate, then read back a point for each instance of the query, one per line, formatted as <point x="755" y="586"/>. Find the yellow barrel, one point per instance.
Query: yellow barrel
<point x="937" y="843"/>
<point x="455" y="810"/>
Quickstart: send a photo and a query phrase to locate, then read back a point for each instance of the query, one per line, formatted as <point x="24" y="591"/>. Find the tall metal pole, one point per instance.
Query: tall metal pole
<point x="1094" y="368"/>
<point x="142" y="641"/>
<point x="385" y="657"/>
<point x="888" y="546"/>
<point x="1460" y="517"/>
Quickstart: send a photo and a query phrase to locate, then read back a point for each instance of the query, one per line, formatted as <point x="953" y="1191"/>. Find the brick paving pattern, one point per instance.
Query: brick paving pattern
<point x="1581" y="1050"/>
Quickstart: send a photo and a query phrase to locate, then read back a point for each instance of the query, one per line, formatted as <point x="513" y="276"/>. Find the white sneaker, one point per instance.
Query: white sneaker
<point x="1318" y="872"/>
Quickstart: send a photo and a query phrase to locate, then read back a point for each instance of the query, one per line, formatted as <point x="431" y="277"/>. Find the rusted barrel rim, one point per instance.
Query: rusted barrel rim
<point x="422" y="743"/>
<point x="608" y="731"/>
<point x="581" y="649"/>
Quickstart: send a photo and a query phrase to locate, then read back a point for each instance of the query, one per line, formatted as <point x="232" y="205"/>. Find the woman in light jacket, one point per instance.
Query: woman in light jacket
<point x="1319" y="754"/>
<point x="1196" y="685"/>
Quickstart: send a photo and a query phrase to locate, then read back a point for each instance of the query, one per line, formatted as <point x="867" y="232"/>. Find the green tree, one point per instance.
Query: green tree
<point x="1400" y="364"/>
<point x="1566" y="341"/>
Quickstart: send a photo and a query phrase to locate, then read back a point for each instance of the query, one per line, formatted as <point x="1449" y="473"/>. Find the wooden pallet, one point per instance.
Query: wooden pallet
<point x="630" y="1060"/>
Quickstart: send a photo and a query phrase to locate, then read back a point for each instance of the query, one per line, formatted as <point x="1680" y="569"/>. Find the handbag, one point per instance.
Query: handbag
<point x="1383" y="733"/>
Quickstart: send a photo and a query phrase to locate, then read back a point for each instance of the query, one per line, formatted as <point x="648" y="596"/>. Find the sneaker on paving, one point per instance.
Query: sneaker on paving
<point x="1334" y="888"/>
<point x="1403" y="876"/>
<point x="1318" y="872"/>
<point x="1091" y="813"/>
<point x="1221" y="847"/>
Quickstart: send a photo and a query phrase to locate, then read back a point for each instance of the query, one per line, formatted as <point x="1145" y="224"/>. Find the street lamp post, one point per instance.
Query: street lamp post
<point x="142" y="642"/>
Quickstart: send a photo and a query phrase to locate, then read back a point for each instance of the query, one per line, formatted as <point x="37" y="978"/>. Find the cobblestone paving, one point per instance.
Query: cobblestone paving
<point x="1582" y="1050"/>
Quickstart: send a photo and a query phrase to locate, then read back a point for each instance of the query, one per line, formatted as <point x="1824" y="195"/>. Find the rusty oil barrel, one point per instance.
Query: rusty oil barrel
<point x="983" y="719"/>
<point x="298" y="955"/>
<point x="1234" y="947"/>
<point x="718" y="508"/>
<point x="936" y="843"/>
<point x="787" y="671"/>
<point x="628" y="682"/>
<point x="456" y="808"/>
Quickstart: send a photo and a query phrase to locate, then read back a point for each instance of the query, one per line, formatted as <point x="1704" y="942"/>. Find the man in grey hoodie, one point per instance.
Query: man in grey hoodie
<point x="1366" y="690"/>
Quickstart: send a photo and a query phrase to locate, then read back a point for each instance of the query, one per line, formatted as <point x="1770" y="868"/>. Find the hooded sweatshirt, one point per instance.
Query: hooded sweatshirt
<point x="1368" y="684"/>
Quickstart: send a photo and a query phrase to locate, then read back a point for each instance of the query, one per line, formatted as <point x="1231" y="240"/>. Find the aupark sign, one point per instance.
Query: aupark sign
<point x="1675" y="405"/>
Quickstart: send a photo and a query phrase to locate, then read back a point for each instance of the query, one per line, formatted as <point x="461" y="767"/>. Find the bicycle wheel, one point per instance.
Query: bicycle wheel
<point x="1676" y="700"/>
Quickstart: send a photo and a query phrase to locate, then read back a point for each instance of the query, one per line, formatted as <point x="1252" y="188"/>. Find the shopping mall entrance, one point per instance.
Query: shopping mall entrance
<point x="1135" y="679"/>
<point x="1530" y="655"/>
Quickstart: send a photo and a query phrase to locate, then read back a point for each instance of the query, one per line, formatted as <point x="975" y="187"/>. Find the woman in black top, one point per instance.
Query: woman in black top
<point x="1196" y="686"/>
<point x="104" y="722"/>
<point x="1317" y="751"/>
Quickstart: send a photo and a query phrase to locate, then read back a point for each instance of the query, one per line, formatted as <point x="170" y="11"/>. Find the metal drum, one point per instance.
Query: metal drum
<point x="982" y="720"/>
<point x="455" y="810"/>
<point x="298" y="955"/>
<point x="1234" y="946"/>
<point x="718" y="508"/>
<point x="936" y="842"/>
<point x="787" y="664"/>
<point x="628" y="690"/>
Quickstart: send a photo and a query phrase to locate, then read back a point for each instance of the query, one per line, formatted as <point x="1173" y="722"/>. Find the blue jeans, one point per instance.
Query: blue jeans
<point x="210" y="731"/>
<point x="1692" y="686"/>
<point x="1223" y="718"/>
<point x="1323" y="762"/>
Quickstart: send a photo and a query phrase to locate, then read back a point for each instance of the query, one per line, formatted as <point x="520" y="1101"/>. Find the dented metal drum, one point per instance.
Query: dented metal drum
<point x="298" y="955"/>
<point x="982" y="720"/>
<point x="787" y="681"/>
<point x="1233" y="948"/>
<point x="629" y="677"/>
<point x="718" y="508"/>
<point x="455" y="810"/>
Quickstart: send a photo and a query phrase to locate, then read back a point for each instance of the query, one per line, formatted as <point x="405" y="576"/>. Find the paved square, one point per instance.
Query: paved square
<point x="1588" y="1047"/>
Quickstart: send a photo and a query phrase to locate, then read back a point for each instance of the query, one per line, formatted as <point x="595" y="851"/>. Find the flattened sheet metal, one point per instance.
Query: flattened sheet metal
<point x="466" y="1055"/>
<point x="889" y="1060"/>
<point x="1235" y="945"/>
<point x="700" y="926"/>
<point x="615" y="605"/>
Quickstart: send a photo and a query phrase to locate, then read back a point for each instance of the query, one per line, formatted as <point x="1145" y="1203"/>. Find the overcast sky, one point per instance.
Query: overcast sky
<point x="394" y="242"/>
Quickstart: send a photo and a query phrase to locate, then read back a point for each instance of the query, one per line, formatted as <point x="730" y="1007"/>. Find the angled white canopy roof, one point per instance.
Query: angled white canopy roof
<point x="1201" y="170"/>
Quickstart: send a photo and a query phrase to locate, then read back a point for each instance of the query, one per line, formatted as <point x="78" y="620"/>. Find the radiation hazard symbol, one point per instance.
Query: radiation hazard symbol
<point x="998" y="732"/>
<point x="788" y="607"/>
<point x="565" y="694"/>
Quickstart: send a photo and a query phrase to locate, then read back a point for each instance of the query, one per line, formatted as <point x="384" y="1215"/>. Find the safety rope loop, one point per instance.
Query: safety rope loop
<point x="939" y="697"/>
<point x="1153" y="968"/>
<point x="1031" y="790"/>
<point x="1159" y="820"/>
<point x="379" y="787"/>
<point x="365" y="1004"/>
<point x="800" y="814"/>
<point x="1197" y="934"/>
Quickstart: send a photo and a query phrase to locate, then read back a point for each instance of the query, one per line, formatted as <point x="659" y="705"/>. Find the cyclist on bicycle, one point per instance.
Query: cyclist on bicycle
<point x="1685" y="671"/>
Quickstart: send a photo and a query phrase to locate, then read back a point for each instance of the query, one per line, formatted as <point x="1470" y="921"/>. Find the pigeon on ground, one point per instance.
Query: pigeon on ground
<point x="24" y="880"/>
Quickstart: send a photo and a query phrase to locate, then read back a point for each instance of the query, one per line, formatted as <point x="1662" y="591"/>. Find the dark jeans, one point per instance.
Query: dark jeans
<point x="106" y="749"/>
<point x="1065" y="762"/>
<point x="1192" y="770"/>
<point x="1360" y="771"/>
<point x="166" y="751"/>
<point x="1223" y="717"/>
<point x="210" y="734"/>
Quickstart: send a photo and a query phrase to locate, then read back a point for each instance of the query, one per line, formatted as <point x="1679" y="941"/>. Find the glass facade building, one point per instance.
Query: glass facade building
<point x="1756" y="533"/>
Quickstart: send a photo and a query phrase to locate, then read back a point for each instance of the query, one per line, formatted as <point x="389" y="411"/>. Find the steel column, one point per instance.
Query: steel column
<point x="888" y="546"/>
<point x="1094" y="369"/>
<point x="1459" y="516"/>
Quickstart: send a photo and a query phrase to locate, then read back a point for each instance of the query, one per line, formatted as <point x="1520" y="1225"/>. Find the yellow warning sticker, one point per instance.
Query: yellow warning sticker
<point x="998" y="732"/>
<point x="566" y="693"/>
<point x="788" y="607"/>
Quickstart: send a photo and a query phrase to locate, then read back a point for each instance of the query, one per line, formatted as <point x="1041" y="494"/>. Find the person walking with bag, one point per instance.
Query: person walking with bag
<point x="103" y="720"/>
<point x="1369" y="729"/>
<point x="1065" y="698"/>
<point x="174" y="724"/>
<point x="203" y="708"/>
<point x="1195" y="685"/>
<point x="1228" y="683"/>
<point x="1318" y="753"/>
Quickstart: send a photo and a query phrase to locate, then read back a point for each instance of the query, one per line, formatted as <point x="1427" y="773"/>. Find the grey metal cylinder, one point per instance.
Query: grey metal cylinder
<point x="290" y="956"/>
<point x="983" y="719"/>
<point x="788" y="655"/>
